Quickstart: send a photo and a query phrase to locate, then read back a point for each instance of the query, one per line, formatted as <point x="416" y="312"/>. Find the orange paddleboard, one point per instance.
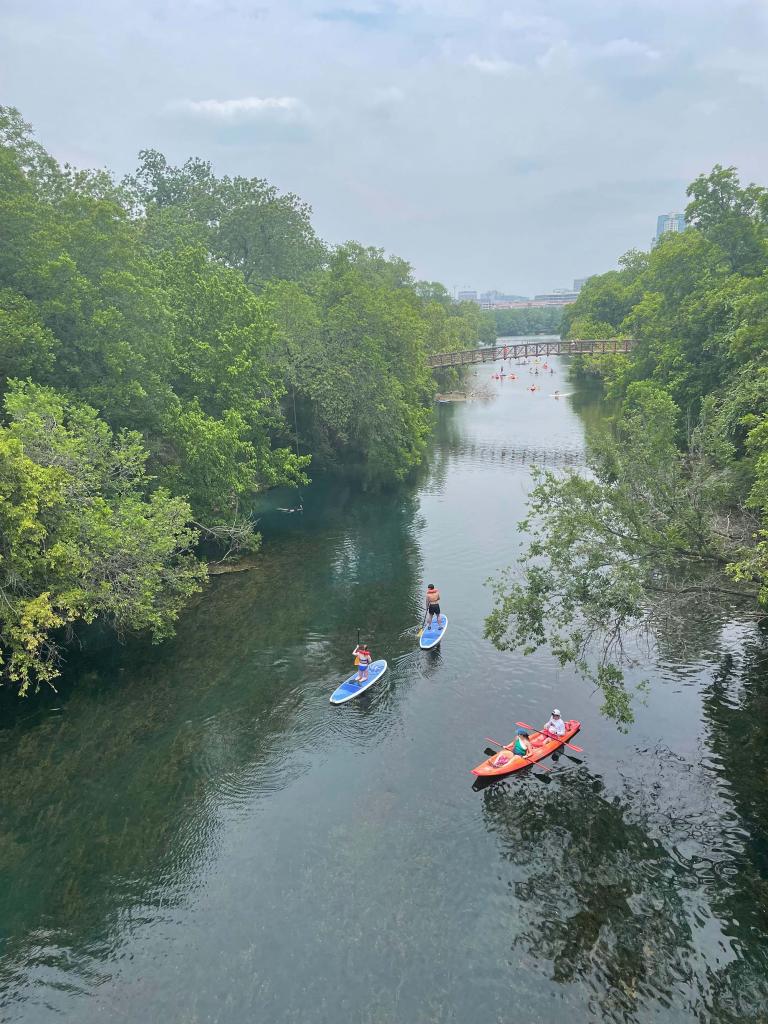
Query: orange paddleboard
<point x="540" y="747"/>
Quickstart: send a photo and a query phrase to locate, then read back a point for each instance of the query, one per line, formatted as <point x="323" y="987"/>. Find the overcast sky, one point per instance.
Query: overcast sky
<point x="514" y="145"/>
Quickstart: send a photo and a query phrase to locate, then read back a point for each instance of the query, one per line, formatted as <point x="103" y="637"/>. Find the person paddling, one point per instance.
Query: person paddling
<point x="555" y="727"/>
<point x="521" y="747"/>
<point x="433" y="604"/>
<point x="362" y="660"/>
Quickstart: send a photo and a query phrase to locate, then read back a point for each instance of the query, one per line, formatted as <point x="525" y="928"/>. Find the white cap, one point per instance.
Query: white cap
<point x="555" y="711"/>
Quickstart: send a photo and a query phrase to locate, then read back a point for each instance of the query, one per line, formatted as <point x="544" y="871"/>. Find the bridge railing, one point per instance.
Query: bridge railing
<point x="544" y="347"/>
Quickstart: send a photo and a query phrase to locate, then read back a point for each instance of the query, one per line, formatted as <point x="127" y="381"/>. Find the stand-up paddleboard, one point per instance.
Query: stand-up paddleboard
<point x="433" y="636"/>
<point x="565" y="394"/>
<point x="349" y="688"/>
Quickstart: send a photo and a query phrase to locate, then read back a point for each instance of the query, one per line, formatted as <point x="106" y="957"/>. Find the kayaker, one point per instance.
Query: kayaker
<point x="521" y="747"/>
<point x="362" y="660"/>
<point x="555" y="726"/>
<point x="433" y="604"/>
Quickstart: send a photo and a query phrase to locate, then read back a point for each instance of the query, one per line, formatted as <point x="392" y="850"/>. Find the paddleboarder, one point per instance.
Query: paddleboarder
<point x="433" y="604"/>
<point x="362" y="660"/>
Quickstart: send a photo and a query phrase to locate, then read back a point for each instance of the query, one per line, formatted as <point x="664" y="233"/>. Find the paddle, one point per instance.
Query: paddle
<point x="418" y="635"/>
<point x="579" y="750"/>
<point x="504" y="747"/>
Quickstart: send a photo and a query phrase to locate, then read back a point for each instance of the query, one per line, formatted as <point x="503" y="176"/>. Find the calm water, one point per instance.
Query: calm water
<point x="195" y="835"/>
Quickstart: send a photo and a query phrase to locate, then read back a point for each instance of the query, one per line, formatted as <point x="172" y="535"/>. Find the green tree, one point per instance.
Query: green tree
<point x="245" y="221"/>
<point x="82" y="535"/>
<point x="615" y="554"/>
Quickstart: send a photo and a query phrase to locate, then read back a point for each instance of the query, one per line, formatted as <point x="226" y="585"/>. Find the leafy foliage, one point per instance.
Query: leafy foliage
<point x="533" y="320"/>
<point x="166" y="327"/>
<point x="676" y="504"/>
<point x="82" y="534"/>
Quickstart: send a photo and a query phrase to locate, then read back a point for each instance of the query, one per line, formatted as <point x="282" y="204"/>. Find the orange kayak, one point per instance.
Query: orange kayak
<point x="540" y="747"/>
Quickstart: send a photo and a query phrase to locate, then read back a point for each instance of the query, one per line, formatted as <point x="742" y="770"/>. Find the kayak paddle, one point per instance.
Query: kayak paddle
<point x="579" y="750"/>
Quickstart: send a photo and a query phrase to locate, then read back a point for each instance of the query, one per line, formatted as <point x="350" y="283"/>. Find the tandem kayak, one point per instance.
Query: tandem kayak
<point x="431" y="637"/>
<point x="349" y="688"/>
<point x="540" y="747"/>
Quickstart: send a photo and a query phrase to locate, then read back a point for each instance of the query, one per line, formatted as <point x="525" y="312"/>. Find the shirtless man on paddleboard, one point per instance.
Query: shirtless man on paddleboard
<point x="433" y="604"/>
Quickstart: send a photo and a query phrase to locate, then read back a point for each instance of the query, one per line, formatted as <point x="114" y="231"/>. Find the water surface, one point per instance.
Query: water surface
<point x="196" y="835"/>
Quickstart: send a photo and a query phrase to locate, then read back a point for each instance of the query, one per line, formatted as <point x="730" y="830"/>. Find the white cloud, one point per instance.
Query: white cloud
<point x="391" y="94"/>
<point x="627" y="48"/>
<point x="540" y="26"/>
<point x="491" y="65"/>
<point x="244" y="109"/>
<point x="563" y="54"/>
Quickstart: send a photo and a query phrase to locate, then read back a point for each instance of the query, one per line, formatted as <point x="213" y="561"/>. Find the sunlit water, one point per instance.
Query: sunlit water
<point x="195" y="835"/>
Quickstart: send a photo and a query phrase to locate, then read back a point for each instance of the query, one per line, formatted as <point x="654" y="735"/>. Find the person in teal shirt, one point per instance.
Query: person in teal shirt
<point x="521" y="747"/>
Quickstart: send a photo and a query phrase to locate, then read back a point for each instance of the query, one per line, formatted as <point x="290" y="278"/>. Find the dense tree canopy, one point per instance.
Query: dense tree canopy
<point x="530" y="320"/>
<point x="676" y="504"/>
<point x="154" y="337"/>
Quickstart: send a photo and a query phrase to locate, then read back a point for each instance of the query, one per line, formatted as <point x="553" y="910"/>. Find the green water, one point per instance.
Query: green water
<point x="192" y="834"/>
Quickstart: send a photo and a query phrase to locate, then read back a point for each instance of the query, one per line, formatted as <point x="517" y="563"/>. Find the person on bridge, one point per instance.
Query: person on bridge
<point x="433" y="604"/>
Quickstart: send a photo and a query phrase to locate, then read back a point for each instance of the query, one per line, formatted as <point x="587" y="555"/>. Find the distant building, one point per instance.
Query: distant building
<point x="558" y="297"/>
<point x="467" y="296"/>
<point x="579" y="282"/>
<point x="496" y="300"/>
<point x="666" y="222"/>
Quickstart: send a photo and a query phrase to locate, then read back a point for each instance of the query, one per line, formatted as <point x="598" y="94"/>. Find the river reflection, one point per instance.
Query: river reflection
<point x="192" y="833"/>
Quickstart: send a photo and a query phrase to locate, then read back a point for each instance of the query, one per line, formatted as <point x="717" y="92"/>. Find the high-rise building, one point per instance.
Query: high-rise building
<point x="467" y="296"/>
<point x="669" y="222"/>
<point x="579" y="282"/>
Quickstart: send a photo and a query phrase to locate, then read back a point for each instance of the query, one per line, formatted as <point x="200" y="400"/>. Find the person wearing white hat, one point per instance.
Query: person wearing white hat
<point x="555" y="726"/>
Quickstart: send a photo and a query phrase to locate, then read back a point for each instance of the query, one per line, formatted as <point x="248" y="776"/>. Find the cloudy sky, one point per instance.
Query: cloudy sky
<point x="493" y="143"/>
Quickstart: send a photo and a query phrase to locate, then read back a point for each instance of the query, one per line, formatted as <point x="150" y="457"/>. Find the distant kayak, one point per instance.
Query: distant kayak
<point x="540" y="747"/>
<point x="349" y="688"/>
<point x="433" y="636"/>
<point x="566" y="394"/>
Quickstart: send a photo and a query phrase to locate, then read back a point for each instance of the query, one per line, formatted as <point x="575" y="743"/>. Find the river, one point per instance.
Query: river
<point x="193" y="834"/>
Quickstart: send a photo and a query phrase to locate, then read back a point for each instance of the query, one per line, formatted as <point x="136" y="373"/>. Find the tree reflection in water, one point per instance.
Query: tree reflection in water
<point x="609" y="895"/>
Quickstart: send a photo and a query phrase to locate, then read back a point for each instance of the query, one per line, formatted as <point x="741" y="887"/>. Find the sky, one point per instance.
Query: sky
<point x="492" y="143"/>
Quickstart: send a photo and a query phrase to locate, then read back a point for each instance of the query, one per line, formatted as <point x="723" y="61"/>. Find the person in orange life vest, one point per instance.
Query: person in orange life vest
<point x="433" y="604"/>
<point x="363" y="661"/>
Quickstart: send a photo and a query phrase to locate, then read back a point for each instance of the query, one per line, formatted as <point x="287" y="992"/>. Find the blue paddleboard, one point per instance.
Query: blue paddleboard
<point x="349" y="688"/>
<point x="433" y="636"/>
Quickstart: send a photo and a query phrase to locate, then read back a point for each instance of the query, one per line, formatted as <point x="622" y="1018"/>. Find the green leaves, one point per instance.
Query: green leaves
<point x="81" y="534"/>
<point x="611" y="555"/>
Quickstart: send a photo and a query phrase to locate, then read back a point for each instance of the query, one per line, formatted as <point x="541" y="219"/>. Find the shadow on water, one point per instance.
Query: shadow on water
<point x="595" y="896"/>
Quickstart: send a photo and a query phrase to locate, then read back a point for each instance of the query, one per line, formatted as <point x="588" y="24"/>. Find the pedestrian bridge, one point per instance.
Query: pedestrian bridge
<point x="508" y="348"/>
